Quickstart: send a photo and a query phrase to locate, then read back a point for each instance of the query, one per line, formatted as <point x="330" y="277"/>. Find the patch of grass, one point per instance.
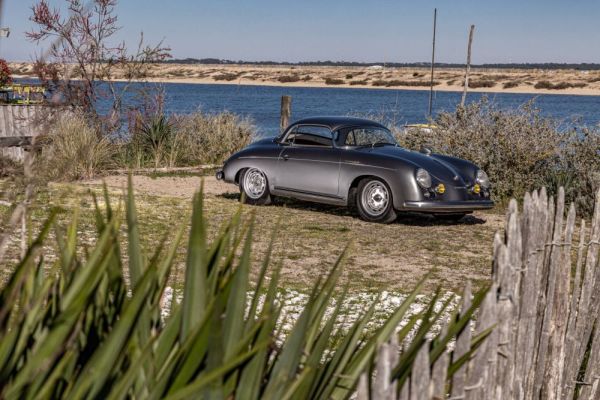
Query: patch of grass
<point x="334" y="81"/>
<point x="349" y="76"/>
<point x="381" y="82"/>
<point x="359" y="82"/>
<point x="481" y="83"/>
<point x="510" y="84"/>
<point x="225" y="77"/>
<point x="559" y="86"/>
<point x="288" y="78"/>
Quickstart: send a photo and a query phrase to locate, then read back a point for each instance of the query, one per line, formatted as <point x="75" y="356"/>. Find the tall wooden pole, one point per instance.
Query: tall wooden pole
<point x="432" y="62"/>
<point x="468" y="68"/>
<point x="286" y="112"/>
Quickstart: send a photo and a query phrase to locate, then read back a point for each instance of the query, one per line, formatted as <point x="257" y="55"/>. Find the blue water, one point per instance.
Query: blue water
<point x="262" y="103"/>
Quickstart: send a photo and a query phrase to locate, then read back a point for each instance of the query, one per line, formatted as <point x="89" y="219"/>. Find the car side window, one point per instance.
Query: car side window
<point x="311" y="135"/>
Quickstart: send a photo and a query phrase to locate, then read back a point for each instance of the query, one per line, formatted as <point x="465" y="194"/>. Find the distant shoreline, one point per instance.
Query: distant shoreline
<point x="514" y="81"/>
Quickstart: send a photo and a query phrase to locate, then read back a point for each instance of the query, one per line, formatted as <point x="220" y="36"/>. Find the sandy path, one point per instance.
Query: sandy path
<point x="183" y="187"/>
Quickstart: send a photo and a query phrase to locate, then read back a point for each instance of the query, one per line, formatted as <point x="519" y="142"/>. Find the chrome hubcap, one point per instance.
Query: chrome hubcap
<point x="375" y="198"/>
<point x="255" y="183"/>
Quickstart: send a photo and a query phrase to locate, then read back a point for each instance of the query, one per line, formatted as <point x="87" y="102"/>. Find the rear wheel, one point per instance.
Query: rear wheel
<point x="254" y="187"/>
<point x="374" y="201"/>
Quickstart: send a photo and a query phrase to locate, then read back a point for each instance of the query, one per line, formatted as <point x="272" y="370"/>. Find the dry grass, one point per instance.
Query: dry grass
<point x="74" y="149"/>
<point x="519" y="149"/>
<point x="210" y="138"/>
<point x="382" y="257"/>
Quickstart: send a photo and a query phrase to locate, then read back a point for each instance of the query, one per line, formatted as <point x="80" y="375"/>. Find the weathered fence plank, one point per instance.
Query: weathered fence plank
<point x="544" y="316"/>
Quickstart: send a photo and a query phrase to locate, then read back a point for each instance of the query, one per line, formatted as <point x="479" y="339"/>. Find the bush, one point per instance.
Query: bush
<point x="558" y="86"/>
<point x="5" y="74"/>
<point x="288" y="78"/>
<point x="510" y="85"/>
<point x="519" y="149"/>
<point x="349" y="76"/>
<point x="97" y="327"/>
<point x="74" y="149"/>
<point x="359" y="82"/>
<point x="334" y="81"/>
<point x="210" y="138"/>
<point x="482" y="83"/>
<point x="381" y="82"/>
<point x="225" y="77"/>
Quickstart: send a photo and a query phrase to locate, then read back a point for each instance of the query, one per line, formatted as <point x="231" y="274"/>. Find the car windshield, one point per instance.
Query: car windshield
<point x="370" y="136"/>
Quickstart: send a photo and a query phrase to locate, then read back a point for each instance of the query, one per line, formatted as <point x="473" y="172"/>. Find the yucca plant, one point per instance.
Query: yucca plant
<point x="80" y="329"/>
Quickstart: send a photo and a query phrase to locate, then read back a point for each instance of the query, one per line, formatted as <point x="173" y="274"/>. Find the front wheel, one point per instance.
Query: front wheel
<point x="374" y="201"/>
<point x="254" y="187"/>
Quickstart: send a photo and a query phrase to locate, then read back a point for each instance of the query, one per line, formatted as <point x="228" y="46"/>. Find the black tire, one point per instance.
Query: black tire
<point x="455" y="217"/>
<point x="254" y="187"/>
<point x="374" y="201"/>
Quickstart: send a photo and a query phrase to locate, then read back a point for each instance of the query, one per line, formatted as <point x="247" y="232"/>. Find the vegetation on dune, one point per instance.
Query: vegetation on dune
<point x="559" y="85"/>
<point x="97" y="327"/>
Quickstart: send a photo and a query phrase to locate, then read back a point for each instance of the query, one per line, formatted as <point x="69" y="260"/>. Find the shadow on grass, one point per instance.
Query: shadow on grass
<point x="411" y="219"/>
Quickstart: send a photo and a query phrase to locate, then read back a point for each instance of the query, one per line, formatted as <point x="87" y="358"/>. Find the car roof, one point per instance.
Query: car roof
<point x="334" y="122"/>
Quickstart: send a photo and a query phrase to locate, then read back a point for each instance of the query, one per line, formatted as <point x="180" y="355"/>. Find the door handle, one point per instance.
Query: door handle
<point x="285" y="157"/>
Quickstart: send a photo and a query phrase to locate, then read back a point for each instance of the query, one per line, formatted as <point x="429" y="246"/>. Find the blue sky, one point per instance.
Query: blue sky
<point x="352" y="30"/>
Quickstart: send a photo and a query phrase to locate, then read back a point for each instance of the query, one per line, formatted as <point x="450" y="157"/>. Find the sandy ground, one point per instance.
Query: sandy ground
<point x="448" y="79"/>
<point x="390" y="257"/>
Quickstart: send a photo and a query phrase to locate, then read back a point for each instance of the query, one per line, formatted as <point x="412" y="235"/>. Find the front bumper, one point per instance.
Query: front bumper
<point x="448" y="206"/>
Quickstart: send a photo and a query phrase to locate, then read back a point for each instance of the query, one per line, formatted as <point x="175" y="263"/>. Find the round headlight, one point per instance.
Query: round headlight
<point x="423" y="178"/>
<point x="482" y="179"/>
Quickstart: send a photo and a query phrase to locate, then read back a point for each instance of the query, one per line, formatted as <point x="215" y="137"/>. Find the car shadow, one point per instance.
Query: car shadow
<point x="411" y="219"/>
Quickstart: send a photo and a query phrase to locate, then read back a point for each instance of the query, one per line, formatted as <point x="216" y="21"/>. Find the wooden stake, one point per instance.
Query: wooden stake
<point x="432" y="62"/>
<point x="468" y="68"/>
<point x="286" y="112"/>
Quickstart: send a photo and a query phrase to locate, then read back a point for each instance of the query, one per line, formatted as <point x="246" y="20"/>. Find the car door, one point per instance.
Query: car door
<point x="309" y="162"/>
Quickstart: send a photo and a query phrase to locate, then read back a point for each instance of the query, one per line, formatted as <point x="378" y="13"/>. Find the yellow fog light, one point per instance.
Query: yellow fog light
<point x="476" y="188"/>
<point x="440" y="188"/>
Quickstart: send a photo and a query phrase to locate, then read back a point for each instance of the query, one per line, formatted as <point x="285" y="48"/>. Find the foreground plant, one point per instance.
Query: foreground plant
<point x="85" y="331"/>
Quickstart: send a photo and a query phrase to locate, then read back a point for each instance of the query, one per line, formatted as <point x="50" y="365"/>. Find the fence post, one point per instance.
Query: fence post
<point x="468" y="68"/>
<point x="286" y="112"/>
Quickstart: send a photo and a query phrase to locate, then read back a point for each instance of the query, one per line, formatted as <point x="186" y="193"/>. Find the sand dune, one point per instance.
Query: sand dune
<point x="447" y="79"/>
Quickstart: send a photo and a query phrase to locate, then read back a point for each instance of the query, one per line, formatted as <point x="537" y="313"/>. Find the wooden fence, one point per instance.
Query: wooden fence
<point x="18" y="125"/>
<point x="544" y="304"/>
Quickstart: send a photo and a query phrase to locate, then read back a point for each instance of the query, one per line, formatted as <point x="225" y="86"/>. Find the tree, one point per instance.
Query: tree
<point x="82" y="59"/>
<point x="5" y="74"/>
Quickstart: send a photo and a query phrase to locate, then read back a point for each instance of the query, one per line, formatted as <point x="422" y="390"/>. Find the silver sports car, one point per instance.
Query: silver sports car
<point x="357" y="163"/>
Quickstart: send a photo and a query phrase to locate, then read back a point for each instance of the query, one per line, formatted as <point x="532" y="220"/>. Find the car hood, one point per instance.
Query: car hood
<point x="439" y="169"/>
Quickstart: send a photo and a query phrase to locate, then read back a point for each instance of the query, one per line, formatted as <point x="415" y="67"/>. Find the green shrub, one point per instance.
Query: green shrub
<point x="288" y="78"/>
<point x="157" y="140"/>
<point x="93" y="327"/>
<point x="481" y="83"/>
<point x="511" y="84"/>
<point x="519" y="149"/>
<point x="74" y="149"/>
<point x="559" y="85"/>
<point x="225" y="77"/>
<point x="334" y="81"/>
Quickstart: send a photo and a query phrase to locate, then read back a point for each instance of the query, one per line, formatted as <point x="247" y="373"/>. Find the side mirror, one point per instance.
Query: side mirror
<point x="425" y="150"/>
